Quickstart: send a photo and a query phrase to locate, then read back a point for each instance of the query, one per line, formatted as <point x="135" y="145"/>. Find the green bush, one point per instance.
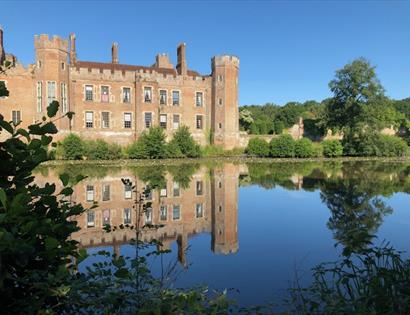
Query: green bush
<point x="101" y="150"/>
<point x="258" y="147"/>
<point x="317" y="149"/>
<point x="72" y="147"/>
<point x="278" y="127"/>
<point x="332" y="148"/>
<point x="392" y="146"/>
<point x="304" y="148"/>
<point x="282" y="146"/>
<point x="150" y="145"/>
<point x="185" y="142"/>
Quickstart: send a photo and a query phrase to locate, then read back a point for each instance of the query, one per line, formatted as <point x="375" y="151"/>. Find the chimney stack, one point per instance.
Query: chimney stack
<point x="2" y="53"/>
<point x="114" y="52"/>
<point x="181" y="65"/>
<point x="73" y="53"/>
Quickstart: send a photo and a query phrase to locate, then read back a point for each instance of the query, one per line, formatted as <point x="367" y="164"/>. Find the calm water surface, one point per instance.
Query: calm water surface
<point x="251" y="227"/>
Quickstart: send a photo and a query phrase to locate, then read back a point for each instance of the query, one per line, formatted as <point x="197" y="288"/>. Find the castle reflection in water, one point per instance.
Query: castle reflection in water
<point x="208" y="204"/>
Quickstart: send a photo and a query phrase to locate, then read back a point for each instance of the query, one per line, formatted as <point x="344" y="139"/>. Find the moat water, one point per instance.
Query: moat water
<point x="250" y="227"/>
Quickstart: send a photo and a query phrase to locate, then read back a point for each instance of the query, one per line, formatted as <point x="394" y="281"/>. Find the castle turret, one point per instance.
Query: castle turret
<point x="181" y="65"/>
<point x="2" y="53"/>
<point x="114" y="53"/>
<point x="52" y="74"/>
<point x="225" y="111"/>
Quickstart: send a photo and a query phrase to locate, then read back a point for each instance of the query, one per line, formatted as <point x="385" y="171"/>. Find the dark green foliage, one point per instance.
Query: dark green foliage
<point x="101" y="150"/>
<point x="3" y="89"/>
<point x="185" y="142"/>
<point x="257" y="147"/>
<point x="279" y="126"/>
<point x="403" y="106"/>
<point x="304" y="148"/>
<point x="290" y="113"/>
<point x="332" y="148"/>
<point x="35" y="226"/>
<point x="282" y="146"/>
<point x="150" y="145"/>
<point x="73" y="147"/>
<point x="373" y="144"/>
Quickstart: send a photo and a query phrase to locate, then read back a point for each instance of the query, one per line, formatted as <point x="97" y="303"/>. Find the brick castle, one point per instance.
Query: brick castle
<point x="117" y="102"/>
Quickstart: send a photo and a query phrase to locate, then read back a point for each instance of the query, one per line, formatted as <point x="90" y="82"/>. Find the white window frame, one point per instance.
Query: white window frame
<point x="103" y="196"/>
<point x="161" y="121"/>
<point x="180" y="212"/>
<point x="51" y="98"/>
<point x="148" y="88"/>
<point x="89" y="193"/>
<point x="90" y="223"/>
<point x="92" y="92"/>
<point x="123" y="94"/>
<point x="161" y="217"/>
<point x="125" y="120"/>
<point x="196" y="210"/>
<point x="144" y="119"/>
<point x="179" y="98"/>
<point x="101" y="93"/>
<point x="105" y="124"/>
<point x="64" y="102"/>
<point x="39" y="96"/>
<point x="196" y="99"/>
<point x="202" y="122"/>
<point x="174" y="126"/>
<point x="19" y="114"/>
<point x="127" y="219"/>
<point x="166" y="97"/>
<point x="87" y="120"/>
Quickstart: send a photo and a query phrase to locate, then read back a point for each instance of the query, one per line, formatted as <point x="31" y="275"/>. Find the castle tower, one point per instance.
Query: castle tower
<point x="73" y="53"/>
<point x="114" y="53"/>
<point x="52" y="75"/>
<point x="225" y="111"/>
<point x="224" y="196"/>
<point x="2" y="52"/>
<point x="181" y="58"/>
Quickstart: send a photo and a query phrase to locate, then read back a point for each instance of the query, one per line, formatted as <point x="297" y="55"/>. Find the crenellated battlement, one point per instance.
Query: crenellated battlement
<point x="43" y="41"/>
<point x="224" y="60"/>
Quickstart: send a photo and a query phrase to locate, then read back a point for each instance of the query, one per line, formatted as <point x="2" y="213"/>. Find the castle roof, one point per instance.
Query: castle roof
<point x="123" y="67"/>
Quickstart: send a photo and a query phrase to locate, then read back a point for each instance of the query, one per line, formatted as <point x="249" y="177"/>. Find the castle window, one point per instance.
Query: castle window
<point x="90" y="218"/>
<point x="148" y="120"/>
<point x="163" y="121"/>
<point x="199" y="210"/>
<point x="147" y="94"/>
<point x="105" y="192"/>
<point x="39" y="96"/>
<point x="106" y="217"/>
<point x="220" y="78"/>
<point x="176" y="190"/>
<point x="88" y="92"/>
<point x="127" y="120"/>
<point x="148" y="193"/>
<point x="105" y="94"/>
<point x="51" y="91"/>
<point x="162" y="97"/>
<point x="163" y="212"/>
<point x="163" y="192"/>
<point x="199" y="187"/>
<point x="175" y="121"/>
<point x="126" y="95"/>
<point x="220" y="126"/>
<point x="39" y="63"/>
<point x="63" y="91"/>
<point x="220" y="101"/>
<point x="62" y="66"/>
<point x="148" y="216"/>
<point x="89" y="119"/>
<point x="199" y="122"/>
<point x="16" y="116"/>
<point x="175" y="98"/>
<point x="199" y="99"/>
<point x="127" y="191"/>
<point x="176" y="212"/>
<point x="105" y="119"/>
<point x="127" y="216"/>
<point x="89" y="193"/>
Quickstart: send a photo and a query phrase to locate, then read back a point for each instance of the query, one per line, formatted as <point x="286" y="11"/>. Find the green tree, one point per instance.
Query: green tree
<point x="150" y="145"/>
<point x="258" y="147"/>
<point x="186" y="144"/>
<point x="332" y="148"/>
<point x="245" y="118"/>
<point x="304" y="148"/>
<point x="73" y="147"/>
<point x="3" y="89"/>
<point x="282" y="146"/>
<point x="36" y="223"/>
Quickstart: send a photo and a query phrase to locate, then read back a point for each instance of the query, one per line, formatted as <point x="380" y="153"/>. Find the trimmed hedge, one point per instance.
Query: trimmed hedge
<point x="72" y="147"/>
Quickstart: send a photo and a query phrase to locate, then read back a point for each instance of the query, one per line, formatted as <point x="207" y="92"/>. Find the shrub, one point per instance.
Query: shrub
<point x="317" y="149"/>
<point x="304" y="148"/>
<point x="173" y="150"/>
<point x="185" y="142"/>
<point x="332" y="148"/>
<point x="150" y="145"/>
<point x="72" y="147"/>
<point x="258" y="147"/>
<point x="282" y="146"/>
<point x="101" y="150"/>
<point x="391" y="146"/>
<point x="279" y="126"/>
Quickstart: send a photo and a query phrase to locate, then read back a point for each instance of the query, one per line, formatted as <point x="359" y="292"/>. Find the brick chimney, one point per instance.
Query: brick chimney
<point x="2" y="53"/>
<point x="114" y="52"/>
<point x="181" y="65"/>
<point x="73" y="53"/>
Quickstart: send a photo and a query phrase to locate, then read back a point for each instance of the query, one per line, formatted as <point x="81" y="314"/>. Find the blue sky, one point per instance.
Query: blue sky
<point x="289" y="50"/>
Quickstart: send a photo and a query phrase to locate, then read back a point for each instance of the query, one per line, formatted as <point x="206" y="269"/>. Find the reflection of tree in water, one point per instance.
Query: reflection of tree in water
<point x="356" y="211"/>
